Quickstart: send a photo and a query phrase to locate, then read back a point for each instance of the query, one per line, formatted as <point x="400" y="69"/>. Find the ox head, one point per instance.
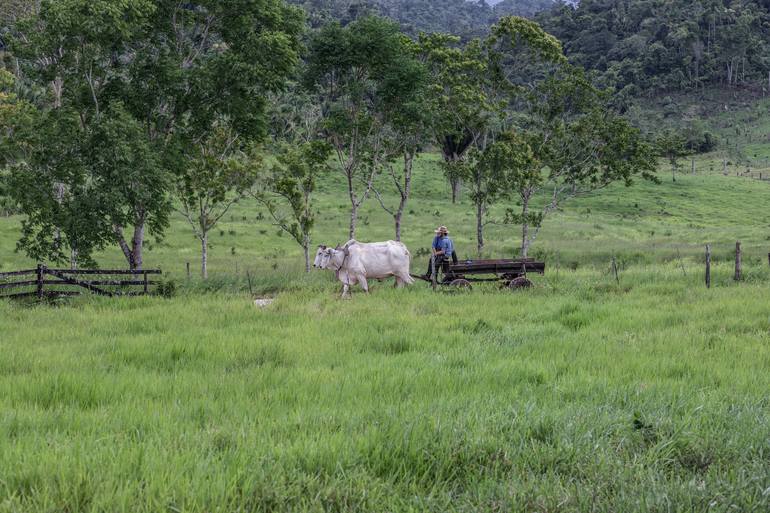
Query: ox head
<point x="323" y="257"/>
<point x="328" y="258"/>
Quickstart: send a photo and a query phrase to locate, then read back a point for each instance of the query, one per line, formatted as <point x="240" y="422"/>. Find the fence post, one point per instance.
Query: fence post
<point x="738" y="261"/>
<point x="615" y="269"/>
<point x="188" y="270"/>
<point x="40" y="273"/>
<point x="708" y="266"/>
<point x="145" y="282"/>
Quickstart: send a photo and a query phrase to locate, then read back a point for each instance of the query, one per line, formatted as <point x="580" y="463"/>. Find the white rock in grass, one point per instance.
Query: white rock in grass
<point x="263" y="302"/>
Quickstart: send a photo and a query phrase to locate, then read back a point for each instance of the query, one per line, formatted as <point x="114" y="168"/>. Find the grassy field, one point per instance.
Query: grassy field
<point x="581" y="394"/>
<point x="643" y="224"/>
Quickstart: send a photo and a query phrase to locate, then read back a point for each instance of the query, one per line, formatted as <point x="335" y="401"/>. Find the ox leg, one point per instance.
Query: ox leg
<point x="345" y="290"/>
<point x="364" y="284"/>
<point x="347" y="281"/>
<point x="404" y="280"/>
<point x="398" y="283"/>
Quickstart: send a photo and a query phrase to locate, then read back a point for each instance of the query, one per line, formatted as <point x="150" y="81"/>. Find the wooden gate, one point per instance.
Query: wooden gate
<point x="44" y="281"/>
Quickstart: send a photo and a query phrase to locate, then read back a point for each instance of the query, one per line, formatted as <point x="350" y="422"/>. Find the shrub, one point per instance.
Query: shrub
<point x="166" y="288"/>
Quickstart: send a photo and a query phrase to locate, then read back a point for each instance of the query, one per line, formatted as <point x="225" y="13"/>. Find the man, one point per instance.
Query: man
<point x="442" y="248"/>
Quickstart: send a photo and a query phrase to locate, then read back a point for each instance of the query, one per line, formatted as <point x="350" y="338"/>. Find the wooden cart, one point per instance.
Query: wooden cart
<point x="511" y="273"/>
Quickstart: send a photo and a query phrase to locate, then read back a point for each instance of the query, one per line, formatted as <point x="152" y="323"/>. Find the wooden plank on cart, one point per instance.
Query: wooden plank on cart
<point x="497" y="267"/>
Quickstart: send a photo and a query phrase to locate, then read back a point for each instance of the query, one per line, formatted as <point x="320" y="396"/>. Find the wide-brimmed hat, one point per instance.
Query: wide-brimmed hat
<point x="442" y="229"/>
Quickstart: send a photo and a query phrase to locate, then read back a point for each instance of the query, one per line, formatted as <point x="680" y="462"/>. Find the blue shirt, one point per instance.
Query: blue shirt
<point x="444" y="244"/>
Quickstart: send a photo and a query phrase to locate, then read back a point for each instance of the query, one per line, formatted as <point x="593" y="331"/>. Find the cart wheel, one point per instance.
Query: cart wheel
<point x="461" y="283"/>
<point x="522" y="282"/>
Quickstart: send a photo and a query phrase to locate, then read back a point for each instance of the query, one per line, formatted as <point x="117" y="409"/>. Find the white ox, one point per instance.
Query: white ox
<point x="355" y="262"/>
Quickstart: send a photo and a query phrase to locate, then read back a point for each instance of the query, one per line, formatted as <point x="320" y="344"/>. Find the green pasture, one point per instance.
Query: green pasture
<point x="581" y="394"/>
<point x="642" y="224"/>
<point x="648" y="394"/>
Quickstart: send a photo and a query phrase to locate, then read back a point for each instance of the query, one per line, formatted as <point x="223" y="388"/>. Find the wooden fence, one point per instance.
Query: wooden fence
<point x="44" y="281"/>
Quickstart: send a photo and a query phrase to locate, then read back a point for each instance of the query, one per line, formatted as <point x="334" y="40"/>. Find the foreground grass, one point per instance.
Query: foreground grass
<point x="579" y="395"/>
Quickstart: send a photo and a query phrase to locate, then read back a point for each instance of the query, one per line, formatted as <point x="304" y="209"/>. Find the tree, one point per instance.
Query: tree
<point x="579" y="146"/>
<point x="142" y="80"/>
<point x="473" y="86"/>
<point x="672" y="146"/>
<point x="218" y="174"/>
<point x="459" y="109"/>
<point x="288" y="192"/>
<point x="61" y="223"/>
<point x="507" y="167"/>
<point x="406" y="127"/>
<point x="467" y="19"/>
<point x="350" y="70"/>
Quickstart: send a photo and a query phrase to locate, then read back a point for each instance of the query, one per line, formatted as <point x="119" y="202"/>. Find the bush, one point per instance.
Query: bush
<point x="701" y="142"/>
<point x="166" y="288"/>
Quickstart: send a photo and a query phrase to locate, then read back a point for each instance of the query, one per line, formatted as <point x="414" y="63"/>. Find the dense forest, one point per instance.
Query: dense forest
<point x="459" y="17"/>
<point x="651" y="45"/>
<point x="635" y="46"/>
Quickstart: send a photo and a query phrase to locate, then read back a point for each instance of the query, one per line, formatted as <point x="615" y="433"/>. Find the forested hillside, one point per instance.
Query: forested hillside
<point x="459" y="17"/>
<point x="636" y="45"/>
<point x="649" y="45"/>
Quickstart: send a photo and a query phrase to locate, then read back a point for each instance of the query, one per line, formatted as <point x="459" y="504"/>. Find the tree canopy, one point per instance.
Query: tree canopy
<point x="463" y="18"/>
<point x="126" y="87"/>
<point x="646" y="45"/>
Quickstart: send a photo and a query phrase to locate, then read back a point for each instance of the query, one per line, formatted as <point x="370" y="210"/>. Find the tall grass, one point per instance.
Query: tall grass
<point x="579" y="395"/>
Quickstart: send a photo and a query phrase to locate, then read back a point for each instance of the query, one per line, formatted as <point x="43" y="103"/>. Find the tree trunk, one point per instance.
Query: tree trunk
<point x="306" y="250"/>
<point x="405" y="191"/>
<point x="524" y="239"/>
<point x="205" y="255"/>
<point x="454" y="183"/>
<point x="353" y="221"/>
<point x="525" y="225"/>
<point x="137" y="246"/>
<point x="353" y="203"/>
<point x="124" y="247"/>
<point x="479" y="228"/>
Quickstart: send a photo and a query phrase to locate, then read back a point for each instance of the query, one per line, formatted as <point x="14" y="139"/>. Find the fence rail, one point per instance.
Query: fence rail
<point x="69" y="282"/>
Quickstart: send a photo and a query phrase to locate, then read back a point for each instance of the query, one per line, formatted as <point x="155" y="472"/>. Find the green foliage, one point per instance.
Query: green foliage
<point x="288" y="191"/>
<point x="132" y="84"/>
<point x="291" y="185"/>
<point x="218" y="172"/>
<point x="672" y="146"/>
<point x="475" y="87"/>
<point x="368" y="83"/>
<point x="462" y="18"/>
<point x="515" y="170"/>
<point x="643" y="45"/>
<point x="166" y="288"/>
